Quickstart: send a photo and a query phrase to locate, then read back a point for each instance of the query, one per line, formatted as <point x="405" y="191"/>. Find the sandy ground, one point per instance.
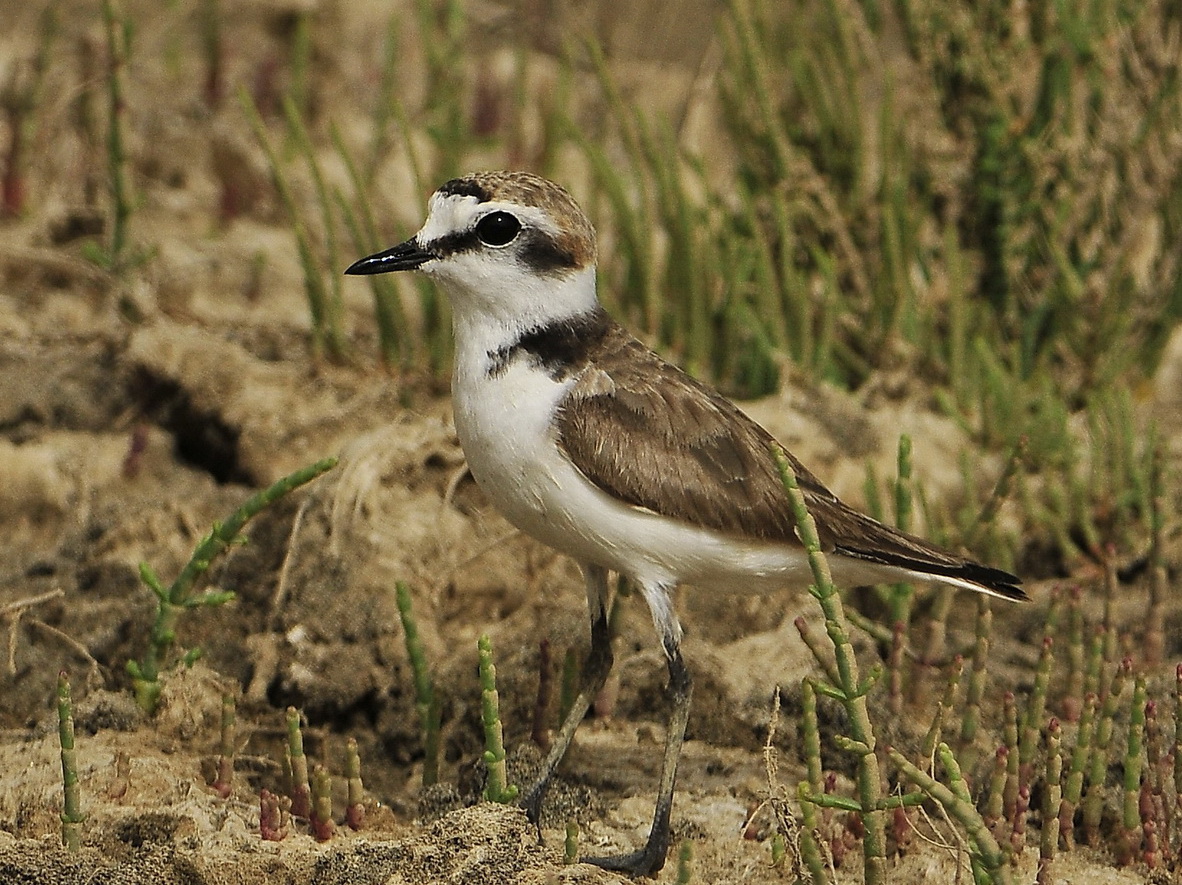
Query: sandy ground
<point x="136" y="410"/>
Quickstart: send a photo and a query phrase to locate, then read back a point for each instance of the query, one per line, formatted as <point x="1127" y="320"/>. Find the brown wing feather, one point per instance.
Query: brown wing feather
<point x="650" y="435"/>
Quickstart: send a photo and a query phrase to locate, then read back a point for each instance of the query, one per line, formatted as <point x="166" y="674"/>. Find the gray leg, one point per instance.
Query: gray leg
<point x="595" y="672"/>
<point x="651" y="858"/>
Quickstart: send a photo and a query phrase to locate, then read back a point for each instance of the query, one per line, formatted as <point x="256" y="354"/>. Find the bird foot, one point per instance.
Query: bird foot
<point x="645" y="862"/>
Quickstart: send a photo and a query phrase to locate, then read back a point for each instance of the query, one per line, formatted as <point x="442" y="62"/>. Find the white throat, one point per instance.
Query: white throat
<point x="490" y="312"/>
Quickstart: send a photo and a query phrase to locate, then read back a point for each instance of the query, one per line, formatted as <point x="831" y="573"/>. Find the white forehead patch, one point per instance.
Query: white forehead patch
<point x="446" y="214"/>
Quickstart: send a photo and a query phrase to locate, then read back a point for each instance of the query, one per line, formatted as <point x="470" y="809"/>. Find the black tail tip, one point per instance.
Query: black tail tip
<point x="995" y="581"/>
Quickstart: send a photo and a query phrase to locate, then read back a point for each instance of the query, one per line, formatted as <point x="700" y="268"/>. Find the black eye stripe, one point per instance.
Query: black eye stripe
<point x="544" y="255"/>
<point x="537" y="251"/>
<point x="451" y="244"/>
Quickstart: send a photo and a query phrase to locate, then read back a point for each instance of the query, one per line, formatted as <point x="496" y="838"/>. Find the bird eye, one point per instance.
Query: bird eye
<point x="498" y="229"/>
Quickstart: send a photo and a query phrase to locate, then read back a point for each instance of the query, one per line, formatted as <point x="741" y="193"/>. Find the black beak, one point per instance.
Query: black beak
<point x="404" y="256"/>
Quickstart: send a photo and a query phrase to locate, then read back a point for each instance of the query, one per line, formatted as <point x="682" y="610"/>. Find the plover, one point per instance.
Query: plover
<point x="593" y="444"/>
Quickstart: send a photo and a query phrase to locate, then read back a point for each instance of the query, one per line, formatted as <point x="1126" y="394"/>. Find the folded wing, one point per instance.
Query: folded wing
<point x="650" y="435"/>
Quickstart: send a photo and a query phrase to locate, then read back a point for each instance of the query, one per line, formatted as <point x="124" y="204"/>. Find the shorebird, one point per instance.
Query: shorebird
<point x="590" y="442"/>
